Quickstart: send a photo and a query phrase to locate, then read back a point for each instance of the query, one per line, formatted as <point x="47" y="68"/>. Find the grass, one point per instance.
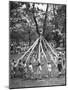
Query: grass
<point x="20" y="83"/>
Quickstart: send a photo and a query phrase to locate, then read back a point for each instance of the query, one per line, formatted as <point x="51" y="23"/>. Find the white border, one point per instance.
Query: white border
<point x="4" y="42"/>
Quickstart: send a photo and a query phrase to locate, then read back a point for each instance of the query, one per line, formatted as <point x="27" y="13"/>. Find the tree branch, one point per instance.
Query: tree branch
<point x="56" y="24"/>
<point x="44" y="23"/>
<point x="34" y="17"/>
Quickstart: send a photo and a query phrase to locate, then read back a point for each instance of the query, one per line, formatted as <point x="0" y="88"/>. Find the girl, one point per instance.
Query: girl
<point x="49" y="66"/>
<point x="30" y="67"/>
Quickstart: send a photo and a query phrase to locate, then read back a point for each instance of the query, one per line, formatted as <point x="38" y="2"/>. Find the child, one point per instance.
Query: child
<point x="13" y="68"/>
<point x="39" y="68"/>
<point x="49" y="66"/>
<point x="25" y="66"/>
<point x="31" y="70"/>
<point x="20" y="65"/>
<point x="13" y="63"/>
<point x="30" y="67"/>
<point x="21" y="68"/>
<point x="59" y="66"/>
<point x="39" y="65"/>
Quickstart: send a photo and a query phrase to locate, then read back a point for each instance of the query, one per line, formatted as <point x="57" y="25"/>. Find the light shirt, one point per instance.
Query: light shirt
<point x="49" y="67"/>
<point x="24" y="65"/>
<point x="40" y="67"/>
<point x="31" y="68"/>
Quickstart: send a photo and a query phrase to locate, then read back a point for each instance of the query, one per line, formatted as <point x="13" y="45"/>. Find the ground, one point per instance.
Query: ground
<point x="20" y="83"/>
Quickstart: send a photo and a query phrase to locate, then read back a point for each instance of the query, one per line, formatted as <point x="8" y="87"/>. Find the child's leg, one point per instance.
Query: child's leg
<point x="49" y="74"/>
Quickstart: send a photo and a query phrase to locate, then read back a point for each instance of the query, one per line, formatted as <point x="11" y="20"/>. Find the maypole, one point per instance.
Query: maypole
<point x="39" y="54"/>
<point x="51" y="55"/>
<point x="43" y="52"/>
<point x="39" y="51"/>
<point x="52" y="50"/>
<point x="27" y="51"/>
<point x="32" y="50"/>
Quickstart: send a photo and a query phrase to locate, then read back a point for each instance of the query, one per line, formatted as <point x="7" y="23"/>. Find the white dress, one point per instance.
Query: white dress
<point x="49" y="67"/>
<point x="40" y="67"/>
<point x="31" y="68"/>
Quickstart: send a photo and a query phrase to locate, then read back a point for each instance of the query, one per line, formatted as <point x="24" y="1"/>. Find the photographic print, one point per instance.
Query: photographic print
<point x="37" y="44"/>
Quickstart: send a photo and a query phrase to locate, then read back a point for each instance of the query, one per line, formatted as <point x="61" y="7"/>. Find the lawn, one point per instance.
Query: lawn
<point x="19" y="83"/>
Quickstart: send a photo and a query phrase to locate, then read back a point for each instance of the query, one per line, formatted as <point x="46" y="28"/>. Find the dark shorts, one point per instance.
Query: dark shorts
<point x="59" y="67"/>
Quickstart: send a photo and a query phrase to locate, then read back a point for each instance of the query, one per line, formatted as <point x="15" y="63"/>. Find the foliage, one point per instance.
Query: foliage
<point x="26" y="19"/>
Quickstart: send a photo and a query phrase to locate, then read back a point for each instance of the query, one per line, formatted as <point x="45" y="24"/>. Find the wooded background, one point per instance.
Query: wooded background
<point x="26" y="19"/>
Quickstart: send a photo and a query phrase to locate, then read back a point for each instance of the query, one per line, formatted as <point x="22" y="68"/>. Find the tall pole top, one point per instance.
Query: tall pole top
<point x="41" y="31"/>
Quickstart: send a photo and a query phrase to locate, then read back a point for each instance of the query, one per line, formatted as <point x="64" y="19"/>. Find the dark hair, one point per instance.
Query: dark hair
<point x="30" y="63"/>
<point x="20" y="60"/>
<point x="59" y="55"/>
<point x="13" y="60"/>
<point x="48" y="62"/>
<point x="23" y="62"/>
<point x="39" y="64"/>
<point x="59" y="58"/>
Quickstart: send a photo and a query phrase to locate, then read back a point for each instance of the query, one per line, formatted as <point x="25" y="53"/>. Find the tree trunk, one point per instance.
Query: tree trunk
<point x="45" y="20"/>
<point x="44" y="23"/>
<point x="29" y="39"/>
<point x="56" y="23"/>
<point x="33" y="12"/>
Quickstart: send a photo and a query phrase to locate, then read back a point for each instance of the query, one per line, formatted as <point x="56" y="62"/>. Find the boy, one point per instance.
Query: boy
<point x="59" y="66"/>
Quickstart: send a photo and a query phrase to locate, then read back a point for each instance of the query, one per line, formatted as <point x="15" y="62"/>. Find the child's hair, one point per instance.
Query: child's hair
<point x="20" y="60"/>
<point x="48" y="62"/>
<point x="59" y="55"/>
<point x="23" y="62"/>
<point x="30" y="63"/>
<point x="38" y="64"/>
<point x="13" y="60"/>
<point x="59" y="58"/>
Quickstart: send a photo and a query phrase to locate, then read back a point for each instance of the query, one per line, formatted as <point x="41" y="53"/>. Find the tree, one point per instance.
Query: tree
<point x="45" y="20"/>
<point x="30" y="18"/>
